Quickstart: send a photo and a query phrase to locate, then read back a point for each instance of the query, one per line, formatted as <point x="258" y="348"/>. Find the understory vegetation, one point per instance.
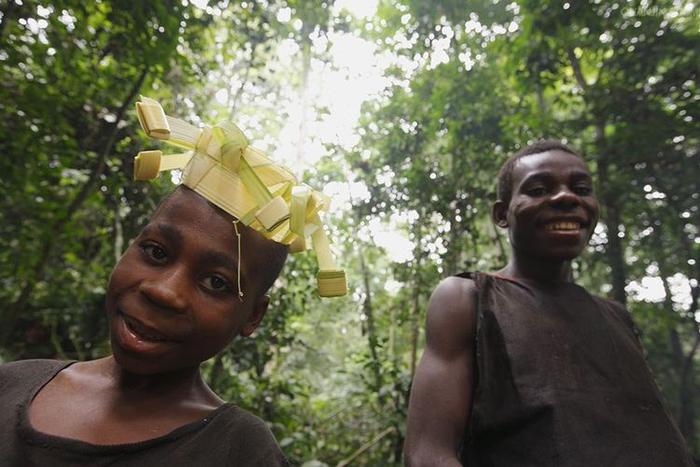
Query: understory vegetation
<point x="403" y="113"/>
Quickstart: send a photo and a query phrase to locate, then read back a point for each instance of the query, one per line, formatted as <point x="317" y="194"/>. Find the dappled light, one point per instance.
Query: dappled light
<point x="402" y="112"/>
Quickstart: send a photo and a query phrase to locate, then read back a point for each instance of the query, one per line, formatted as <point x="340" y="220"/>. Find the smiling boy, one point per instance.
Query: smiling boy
<point x="522" y="366"/>
<point x="194" y="278"/>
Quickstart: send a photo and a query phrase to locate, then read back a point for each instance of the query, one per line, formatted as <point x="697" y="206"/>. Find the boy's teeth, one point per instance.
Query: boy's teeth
<point x="563" y="226"/>
<point x="141" y="331"/>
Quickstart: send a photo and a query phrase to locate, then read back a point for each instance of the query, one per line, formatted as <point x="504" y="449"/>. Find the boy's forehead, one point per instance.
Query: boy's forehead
<point x="184" y="200"/>
<point x="186" y="210"/>
<point x="553" y="161"/>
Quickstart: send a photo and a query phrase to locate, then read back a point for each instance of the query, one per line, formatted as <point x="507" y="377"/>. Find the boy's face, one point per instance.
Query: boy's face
<point x="553" y="211"/>
<point x="172" y="299"/>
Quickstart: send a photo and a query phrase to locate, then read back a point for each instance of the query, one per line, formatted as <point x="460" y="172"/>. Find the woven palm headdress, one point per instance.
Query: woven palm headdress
<point x="221" y="166"/>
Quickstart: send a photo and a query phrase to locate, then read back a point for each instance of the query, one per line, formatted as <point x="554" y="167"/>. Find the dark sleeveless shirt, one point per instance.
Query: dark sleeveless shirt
<point x="228" y="436"/>
<point x="561" y="380"/>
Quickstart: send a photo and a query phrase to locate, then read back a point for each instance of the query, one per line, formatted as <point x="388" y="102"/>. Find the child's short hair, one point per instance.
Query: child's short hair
<point x="504" y="186"/>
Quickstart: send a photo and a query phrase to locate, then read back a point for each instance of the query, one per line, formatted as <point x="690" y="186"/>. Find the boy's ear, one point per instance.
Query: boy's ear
<point x="259" y="310"/>
<point x="499" y="214"/>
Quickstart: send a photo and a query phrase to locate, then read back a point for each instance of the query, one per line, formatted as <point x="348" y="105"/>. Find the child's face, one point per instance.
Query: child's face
<point x="553" y="211"/>
<point x="172" y="300"/>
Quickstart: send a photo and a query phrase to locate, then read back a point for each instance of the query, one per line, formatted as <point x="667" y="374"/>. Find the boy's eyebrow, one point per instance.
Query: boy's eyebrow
<point x="217" y="259"/>
<point x="547" y="175"/>
<point x="579" y="174"/>
<point x="544" y="175"/>
<point x="170" y="232"/>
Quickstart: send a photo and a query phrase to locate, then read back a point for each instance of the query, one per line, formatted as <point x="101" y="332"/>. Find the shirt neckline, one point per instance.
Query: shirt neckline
<point x="39" y="438"/>
<point x="531" y="282"/>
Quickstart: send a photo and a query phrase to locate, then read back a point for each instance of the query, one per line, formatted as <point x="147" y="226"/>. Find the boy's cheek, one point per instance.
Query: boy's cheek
<point x="594" y="208"/>
<point x="123" y="270"/>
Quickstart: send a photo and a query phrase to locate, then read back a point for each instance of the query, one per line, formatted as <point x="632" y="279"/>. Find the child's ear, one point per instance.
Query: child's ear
<point x="499" y="214"/>
<point x="259" y="310"/>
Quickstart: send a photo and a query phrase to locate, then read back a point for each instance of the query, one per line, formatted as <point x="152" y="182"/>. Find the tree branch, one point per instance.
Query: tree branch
<point x="37" y="271"/>
<point x="7" y="13"/>
<point x="576" y="66"/>
<point x="366" y="446"/>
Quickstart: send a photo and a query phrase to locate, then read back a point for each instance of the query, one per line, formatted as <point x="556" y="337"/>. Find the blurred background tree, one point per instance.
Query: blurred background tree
<point x="403" y="111"/>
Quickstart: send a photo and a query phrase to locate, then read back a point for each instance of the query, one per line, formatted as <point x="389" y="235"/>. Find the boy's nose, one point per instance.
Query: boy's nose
<point x="565" y="198"/>
<point x="166" y="290"/>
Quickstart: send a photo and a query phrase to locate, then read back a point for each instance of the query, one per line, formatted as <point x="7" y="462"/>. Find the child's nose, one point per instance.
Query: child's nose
<point x="565" y="198"/>
<point x="166" y="290"/>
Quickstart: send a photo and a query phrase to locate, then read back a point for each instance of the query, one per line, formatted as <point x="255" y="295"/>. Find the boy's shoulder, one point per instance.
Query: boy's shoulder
<point x="476" y="281"/>
<point x="20" y="379"/>
<point x="239" y="418"/>
<point x="452" y="314"/>
<point x="456" y="292"/>
<point x="248" y="437"/>
<point x="617" y="311"/>
<point x="30" y="370"/>
<point x="32" y="364"/>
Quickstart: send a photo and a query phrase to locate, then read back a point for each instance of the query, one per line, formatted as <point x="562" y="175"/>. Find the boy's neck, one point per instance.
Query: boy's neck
<point x="176" y="386"/>
<point x="538" y="270"/>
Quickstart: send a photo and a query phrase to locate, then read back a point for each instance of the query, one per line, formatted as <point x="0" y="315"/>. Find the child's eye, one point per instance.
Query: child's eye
<point x="216" y="284"/>
<point x="537" y="191"/>
<point x="154" y="252"/>
<point x="583" y="190"/>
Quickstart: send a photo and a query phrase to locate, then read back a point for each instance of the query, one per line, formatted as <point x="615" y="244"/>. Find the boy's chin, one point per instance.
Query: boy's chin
<point x="561" y="255"/>
<point x="567" y="255"/>
<point x="142" y="366"/>
<point x="133" y="365"/>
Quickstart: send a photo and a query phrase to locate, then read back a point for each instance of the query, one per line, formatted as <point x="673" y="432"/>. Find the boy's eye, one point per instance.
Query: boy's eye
<point x="154" y="252"/>
<point x="537" y="191"/>
<point x="216" y="284"/>
<point x="583" y="190"/>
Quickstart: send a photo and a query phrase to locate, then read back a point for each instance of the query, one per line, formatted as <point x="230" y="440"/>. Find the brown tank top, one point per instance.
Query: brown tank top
<point x="561" y="380"/>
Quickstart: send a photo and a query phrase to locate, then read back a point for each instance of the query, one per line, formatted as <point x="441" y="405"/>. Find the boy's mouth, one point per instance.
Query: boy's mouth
<point x="565" y="226"/>
<point x="143" y="331"/>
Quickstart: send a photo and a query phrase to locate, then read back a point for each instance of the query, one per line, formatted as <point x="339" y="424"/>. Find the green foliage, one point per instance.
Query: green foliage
<point x="468" y="84"/>
<point x="71" y="71"/>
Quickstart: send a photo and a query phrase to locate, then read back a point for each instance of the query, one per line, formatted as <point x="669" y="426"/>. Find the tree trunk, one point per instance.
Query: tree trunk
<point x="614" y="250"/>
<point x="415" y="308"/>
<point x="541" y="103"/>
<point x="118" y="231"/>
<point x="8" y="12"/>
<point x="303" y="103"/>
<point x="686" y="377"/>
<point x="372" y="340"/>
<point x="688" y="392"/>
<point x="684" y="365"/>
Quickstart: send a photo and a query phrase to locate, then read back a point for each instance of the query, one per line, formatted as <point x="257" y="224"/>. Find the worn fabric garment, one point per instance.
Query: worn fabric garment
<point x="561" y="380"/>
<point x="229" y="436"/>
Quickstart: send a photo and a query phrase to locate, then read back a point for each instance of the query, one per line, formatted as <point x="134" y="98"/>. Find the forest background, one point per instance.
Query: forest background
<point x="403" y="111"/>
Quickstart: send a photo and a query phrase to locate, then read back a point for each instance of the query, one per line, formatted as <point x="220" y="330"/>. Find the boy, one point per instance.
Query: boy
<point x="523" y="367"/>
<point x="194" y="278"/>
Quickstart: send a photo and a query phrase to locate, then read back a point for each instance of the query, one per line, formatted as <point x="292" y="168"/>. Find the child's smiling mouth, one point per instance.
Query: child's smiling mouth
<point x="139" y="336"/>
<point x="563" y="226"/>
